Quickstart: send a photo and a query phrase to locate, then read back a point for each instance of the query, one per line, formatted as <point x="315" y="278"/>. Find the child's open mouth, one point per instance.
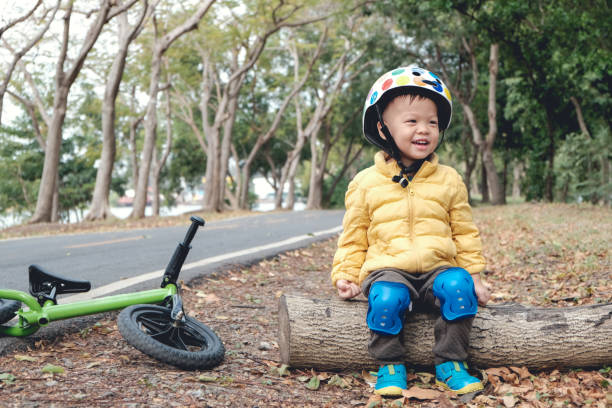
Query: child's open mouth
<point x="421" y="142"/>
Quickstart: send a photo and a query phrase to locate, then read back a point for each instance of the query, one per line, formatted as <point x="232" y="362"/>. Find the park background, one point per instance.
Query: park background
<point x="150" y="105"/>
<point x="225" y="105"/>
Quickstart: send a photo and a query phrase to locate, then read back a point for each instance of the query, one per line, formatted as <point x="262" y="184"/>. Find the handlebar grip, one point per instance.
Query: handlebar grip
<point x="180" y="253"/>
<point x="195" y="223"/>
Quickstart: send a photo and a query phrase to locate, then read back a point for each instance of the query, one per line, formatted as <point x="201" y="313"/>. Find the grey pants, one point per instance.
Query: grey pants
<point x="451" y="338"/>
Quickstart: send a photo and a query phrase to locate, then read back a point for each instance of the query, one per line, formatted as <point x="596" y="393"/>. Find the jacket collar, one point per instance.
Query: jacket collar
<point x="388" y="166"/>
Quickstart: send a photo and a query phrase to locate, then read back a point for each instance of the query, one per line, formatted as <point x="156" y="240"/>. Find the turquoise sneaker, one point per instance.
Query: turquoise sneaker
<point x="453" y="376"/>
<point x="391" y="380"/>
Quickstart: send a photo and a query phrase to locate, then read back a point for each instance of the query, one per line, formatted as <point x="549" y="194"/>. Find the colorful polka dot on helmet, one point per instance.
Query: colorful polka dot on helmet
<point x="399" y="81"/>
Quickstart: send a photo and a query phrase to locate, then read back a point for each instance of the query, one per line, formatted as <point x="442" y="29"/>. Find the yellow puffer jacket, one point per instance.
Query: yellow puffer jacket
<point x="426" y="225"/>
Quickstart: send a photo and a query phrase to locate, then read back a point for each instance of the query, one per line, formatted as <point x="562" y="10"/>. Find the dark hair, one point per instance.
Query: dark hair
<point x="413" y="93"/>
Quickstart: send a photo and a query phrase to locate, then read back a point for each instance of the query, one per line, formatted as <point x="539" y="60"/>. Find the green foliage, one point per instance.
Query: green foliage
<point x="77" y="178"/>
<point x="186" y="164"/>
<point x="21" y="162"/>
<point x="540" y="70"/>
<point x="579" y="167"/>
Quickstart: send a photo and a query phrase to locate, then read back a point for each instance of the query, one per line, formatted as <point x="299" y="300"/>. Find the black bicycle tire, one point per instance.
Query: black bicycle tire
<point x="210" y="355"/>
<point x="7" y="309"/>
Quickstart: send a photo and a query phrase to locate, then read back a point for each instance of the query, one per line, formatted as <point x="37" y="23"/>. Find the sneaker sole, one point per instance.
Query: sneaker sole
<point x="389" y="391"/>
<point x="467" y="389"/>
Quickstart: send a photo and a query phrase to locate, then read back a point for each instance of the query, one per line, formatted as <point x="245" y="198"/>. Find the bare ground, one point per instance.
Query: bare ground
<point x="553" y="255"/>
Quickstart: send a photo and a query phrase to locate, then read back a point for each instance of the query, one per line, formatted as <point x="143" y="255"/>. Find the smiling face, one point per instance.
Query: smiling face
<point x="413" y="123"/>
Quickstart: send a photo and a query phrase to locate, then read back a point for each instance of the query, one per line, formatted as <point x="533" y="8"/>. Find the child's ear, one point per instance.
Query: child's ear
<point x="380" y="132"/>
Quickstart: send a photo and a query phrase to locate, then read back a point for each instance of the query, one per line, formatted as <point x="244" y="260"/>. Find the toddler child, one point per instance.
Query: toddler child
<point x="408" y="232"/>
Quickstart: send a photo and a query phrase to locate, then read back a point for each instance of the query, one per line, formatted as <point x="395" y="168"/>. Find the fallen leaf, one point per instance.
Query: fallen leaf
<point x="498" y="371"/>
<point x="444" y="402"/>
<point x="208" y="297"/>
<point x="421" y="393"/>
<point x="7" y="378"/>
<point x="20" y="357"/>
<point x="398" y="402"/>
<point x="53" y="369"/>
<point x="368" y="378"/>
<point x="338" y="381"/>
<point x="522" y="372"/>
<point x="509" y="401"/>
<point x="425" y="377"/>
<point x="314" y="383"/>
<point x="374" y="401"/>
<point x="206" y="378"/>
<point x="283" y="370"/>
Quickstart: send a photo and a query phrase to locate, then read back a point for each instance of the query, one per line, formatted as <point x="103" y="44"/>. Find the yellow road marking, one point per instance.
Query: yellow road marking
<point x="112" y="241"/>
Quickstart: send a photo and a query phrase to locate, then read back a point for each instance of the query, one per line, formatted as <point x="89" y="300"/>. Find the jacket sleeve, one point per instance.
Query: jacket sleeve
<point x="465" y="233"/>
<point x="353" y="242"/>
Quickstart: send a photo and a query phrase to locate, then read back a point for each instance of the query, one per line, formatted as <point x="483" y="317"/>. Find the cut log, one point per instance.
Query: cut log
<point x="332" y="334"/>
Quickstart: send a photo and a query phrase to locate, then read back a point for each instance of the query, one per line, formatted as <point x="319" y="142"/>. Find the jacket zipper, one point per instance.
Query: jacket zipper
<point x="411" y="211"/>
<point x="411" y="221"/>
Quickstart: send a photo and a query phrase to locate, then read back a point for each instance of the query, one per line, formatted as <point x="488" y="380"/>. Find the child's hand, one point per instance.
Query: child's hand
<point x="483" y="292"/>
<point x="347" y="289"/>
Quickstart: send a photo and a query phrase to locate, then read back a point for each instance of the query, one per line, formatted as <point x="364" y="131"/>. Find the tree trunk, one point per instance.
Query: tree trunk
<point x="263" y="138"/>
<point x="155" y="184"/>
<point x="550" y="166"/>
<point x="226" y="145"/>
<point x="160" y="162"/>
<point x="63" y="83"/>
<point x="498" y="195"/>
<point x="484" y="186"/>
<point x="333" y="335"/>
<point x="211" y="187"/>
<point x="315" y="189"/>
<point x="44" y="205"/>
<point x="517" y="174"/>
<point x="150" y="136"/>
<point x="134" y="123"/>
<point x="289" y="168"/>
<point x="160" y="47"/>
<point x="100" y="206"/>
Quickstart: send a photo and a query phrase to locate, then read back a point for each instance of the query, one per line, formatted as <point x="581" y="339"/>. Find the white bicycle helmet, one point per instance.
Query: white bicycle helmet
<point x="399" y="81"/>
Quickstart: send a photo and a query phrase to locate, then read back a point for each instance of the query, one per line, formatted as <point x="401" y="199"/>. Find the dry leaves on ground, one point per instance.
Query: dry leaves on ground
<point x="533" y="259"/>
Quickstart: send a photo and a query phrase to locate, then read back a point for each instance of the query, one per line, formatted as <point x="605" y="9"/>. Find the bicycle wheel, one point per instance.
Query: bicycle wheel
<point x="189" y="345"/>
<point x="8" y="309"/>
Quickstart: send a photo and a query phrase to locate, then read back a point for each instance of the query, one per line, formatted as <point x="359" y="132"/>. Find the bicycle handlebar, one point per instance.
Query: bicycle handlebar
<point x="180" y="253"/>
<point x="195" y="223"/>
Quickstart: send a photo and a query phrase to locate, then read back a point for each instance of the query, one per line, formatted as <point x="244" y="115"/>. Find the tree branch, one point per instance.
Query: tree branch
<point x="20" y="19"/>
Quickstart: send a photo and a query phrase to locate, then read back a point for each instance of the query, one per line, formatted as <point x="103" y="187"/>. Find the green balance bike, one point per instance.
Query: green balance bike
<point x="153" y="321"/>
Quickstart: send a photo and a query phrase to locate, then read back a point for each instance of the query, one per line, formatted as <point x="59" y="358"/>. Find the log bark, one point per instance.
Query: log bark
<point x="331" y="334"/>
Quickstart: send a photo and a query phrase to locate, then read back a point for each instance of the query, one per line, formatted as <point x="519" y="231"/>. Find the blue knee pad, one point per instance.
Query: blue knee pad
<point x="455" y="289"/>
<point x="387" y="302"/>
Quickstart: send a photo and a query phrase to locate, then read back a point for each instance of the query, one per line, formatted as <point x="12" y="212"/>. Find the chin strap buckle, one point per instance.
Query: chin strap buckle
<point x="401" y="180"/>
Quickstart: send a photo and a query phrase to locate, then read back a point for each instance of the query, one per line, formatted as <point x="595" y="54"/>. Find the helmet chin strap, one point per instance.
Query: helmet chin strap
<point x="393" y="151"/>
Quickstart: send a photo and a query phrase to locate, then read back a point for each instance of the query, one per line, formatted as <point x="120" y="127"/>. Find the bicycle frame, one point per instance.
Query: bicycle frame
<point x="38" y="316"/>
<point x="41" y="312"/>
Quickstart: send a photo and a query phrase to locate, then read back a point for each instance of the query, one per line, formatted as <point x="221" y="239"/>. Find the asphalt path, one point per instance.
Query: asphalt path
<point x="130" y="260"/>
